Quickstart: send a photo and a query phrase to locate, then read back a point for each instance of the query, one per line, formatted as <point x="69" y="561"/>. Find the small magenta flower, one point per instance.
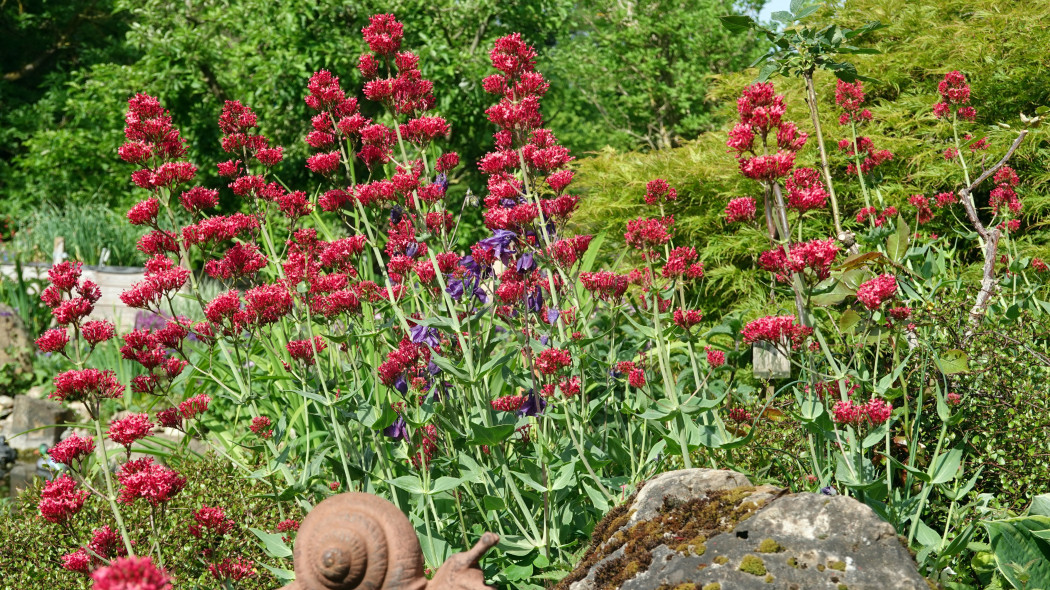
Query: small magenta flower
<point x="53" y="340"/>
<point x="953" y="399"/>
<point x="552" y="360"/>
<point x="715" y="358"/>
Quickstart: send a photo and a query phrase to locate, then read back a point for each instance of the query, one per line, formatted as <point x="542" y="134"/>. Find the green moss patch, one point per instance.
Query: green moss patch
<point x="752" y="564"/>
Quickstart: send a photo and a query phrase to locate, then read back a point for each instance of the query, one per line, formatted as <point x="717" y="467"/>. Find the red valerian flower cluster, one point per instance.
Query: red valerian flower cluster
<point x="777" y="330"/>
<point x="658" y="191"/>
<point x="805" y="190"/>
<point x="210" y="522"/>
<point x="877" y="291"/>
<point x="71" y="300"/>
<point x="72" y="451"/>
<point x="870" y="158"/>
<point x="740" y="209"/>
<point x="232" y="569"/>
<point x="874" y="412"/>
<point x="261" y="427"/>
<point x="955" y="93"/>
<point x="60" y="499"/>
<point x="105" y="544"/>
<point x="761" y="114"/>
<point x="129" y="429"/>
<point x="155" y="143"/>
<point x="923" y="211"/>
<point x="815" y="255"/>
<point x="552" y="360"/>
<point x="850" y="97"/>
<point x="1003" y="198"/>
<point x="127" y="573"/>
<point x="877" y="218"/>
<point x="635" y="374"/>
<point x="144" y="479"/>
<point x="305" y="351"/>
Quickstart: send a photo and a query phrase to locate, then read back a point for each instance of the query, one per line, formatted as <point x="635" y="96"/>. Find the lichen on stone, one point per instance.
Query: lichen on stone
<point x="837" y="565"/>
<point x="753" y="564"/>
<point x="721" y="560"/>
<point x="712" y="586"/>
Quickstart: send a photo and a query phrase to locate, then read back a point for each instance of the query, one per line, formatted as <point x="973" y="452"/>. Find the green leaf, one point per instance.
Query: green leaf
<point x="1040" y="505"/>
<point x="409" y="483"/>
<point x="490" y="435"/>
<point x="953" y="362"/>
<point x="768" y="69"/>
<point x="737" y="23"/>
<point x="445" y="483"/>
<point x="801" y="14"/>
<point x="848" y="319"/>
<point x="797" y="5"/>
<point x="1018" y="552"/>
<point x="897" y="243"/>
<point x="946" y="466"/>
<point x="273" y="543"/>
<point x="783" y="16"/>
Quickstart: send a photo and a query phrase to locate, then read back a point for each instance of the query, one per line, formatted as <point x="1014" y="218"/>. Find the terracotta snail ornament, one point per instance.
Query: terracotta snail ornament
<point x="356" y="540"/>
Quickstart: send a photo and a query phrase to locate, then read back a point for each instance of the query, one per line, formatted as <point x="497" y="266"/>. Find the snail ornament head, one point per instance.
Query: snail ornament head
<point x="356" y="540"/>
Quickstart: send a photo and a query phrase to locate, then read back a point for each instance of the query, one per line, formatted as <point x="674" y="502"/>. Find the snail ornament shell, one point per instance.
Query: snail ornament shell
<point x="356" y="540"/>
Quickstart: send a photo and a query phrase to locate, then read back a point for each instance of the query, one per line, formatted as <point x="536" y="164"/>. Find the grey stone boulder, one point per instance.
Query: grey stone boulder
<point x="15" y="344"/>
<point x="677" y="534"/>
<point x="29" y="414"/>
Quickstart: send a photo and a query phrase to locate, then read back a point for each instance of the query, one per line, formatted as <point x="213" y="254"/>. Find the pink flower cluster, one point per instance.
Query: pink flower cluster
<point x="87" y="385"/>
<point x="60" y="499"/>
<point x="658" y="191"/>
<point x="304" y="350"/>
<point x="130" y="573"/>
<point x="874" y="412"/>
<point x="129" y="429"/>
<point x="776" y="329"/>
<point x="232" y="569"/>
<point x="805" y="190"/>
<point x="72" y="451"/>
<point x="955" y="93"/>
<point x="71" y="300"/>
<point x="635" y="374"/>
<point x="877" y="218"/>
<point x="870" y="158"/>
<point x="260" y="426"/>
<point x="850" y="97"/>
<point x="740" y="209"/>
<point x="210" y="522"/>
<point x="144" y="479"/>
<point x="815" y="255"/>
<point x="153" y="141"/>
<point x="104" y="543"/>
<point x="877" y="291"/>
<point x="761" y="113"/>
<point x="552" y="360"/>
<point x="1003" y="196"/>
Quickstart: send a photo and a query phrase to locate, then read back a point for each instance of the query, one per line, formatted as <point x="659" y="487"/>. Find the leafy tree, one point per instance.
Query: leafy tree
<point x="644" y="66"/>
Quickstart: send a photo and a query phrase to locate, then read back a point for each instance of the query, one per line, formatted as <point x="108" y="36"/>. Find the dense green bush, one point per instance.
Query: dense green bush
<point x="31" y="555"/>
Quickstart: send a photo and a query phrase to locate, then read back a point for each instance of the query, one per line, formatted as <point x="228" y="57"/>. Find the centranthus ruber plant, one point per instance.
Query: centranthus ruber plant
<point x="332" y="338"/>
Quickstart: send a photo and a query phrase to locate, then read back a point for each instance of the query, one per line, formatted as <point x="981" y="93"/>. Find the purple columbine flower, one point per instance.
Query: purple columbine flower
<point x="829" y="491"/>
<point x="552" y="315"/>
<point x="533" y="406"/>
<point x="432" y="368"/>
<point x="442" y="181"/>
<point x="411" y="248"/>
<point x="455" y="289"/>
<point x="525" y="263"/>
<point x="535" y="300"/>
<point x="398" y="430"/>
<point x="421" y="334"/>
<point x="401" y="385"/>
<point x="500" y="243"/>
<point x="395" y="215"/>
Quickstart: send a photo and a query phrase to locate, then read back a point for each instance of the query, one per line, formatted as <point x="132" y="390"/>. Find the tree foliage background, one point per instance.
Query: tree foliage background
<point x="623" y="73"/>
